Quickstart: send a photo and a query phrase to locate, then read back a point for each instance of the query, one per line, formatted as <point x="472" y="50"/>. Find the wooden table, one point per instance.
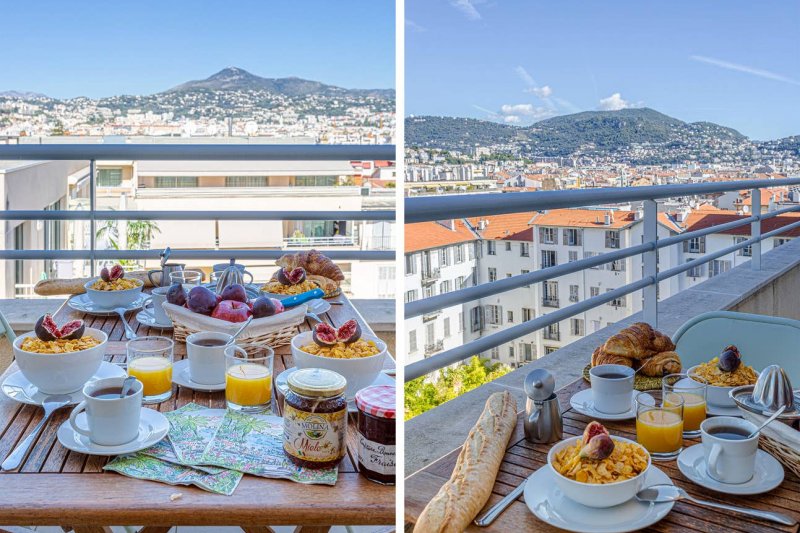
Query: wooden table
<point x="56" y="486"/>
<point x="523" y="458"/>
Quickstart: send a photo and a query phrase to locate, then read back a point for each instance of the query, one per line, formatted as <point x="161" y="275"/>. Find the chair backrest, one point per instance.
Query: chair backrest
<point x="5" y="329"/>
<point x="762" y="340"/>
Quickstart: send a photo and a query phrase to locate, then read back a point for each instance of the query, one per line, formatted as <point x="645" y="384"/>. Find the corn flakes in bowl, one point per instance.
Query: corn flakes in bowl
<point x="61" y="366"/>
<point x="117" y="293"/>
<point x="604" y="483"/>
<point x="278" y="289"/>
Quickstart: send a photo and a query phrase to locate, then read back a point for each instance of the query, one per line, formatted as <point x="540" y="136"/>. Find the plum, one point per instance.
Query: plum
<point x="105" y="275"/>
<point x="278" y="305"/>
<point x="730" y="359"/>
<point x="324" y="334"/>
<point x="201" y="300"/>
<point x="263" y="307"/>
<point x="176" y="295"/>
<point x="234" y="292"/>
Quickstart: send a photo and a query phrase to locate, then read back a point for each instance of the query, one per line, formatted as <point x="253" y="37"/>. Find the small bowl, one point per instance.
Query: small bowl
<point x="112" y="299"/>
<point x="596" y="495"/>
<point x="359" y="373"/>
<point x="60" y="373"/>
<point x="718" y="396"/>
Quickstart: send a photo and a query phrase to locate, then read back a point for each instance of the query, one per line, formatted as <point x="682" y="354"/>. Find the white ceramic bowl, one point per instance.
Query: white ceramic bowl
<point x="112" y="299"/>
<point x="359" y="373"/>
<point x="716" y="395"/>
<point x="596" y="495"/>
<point x="60" y="373"/>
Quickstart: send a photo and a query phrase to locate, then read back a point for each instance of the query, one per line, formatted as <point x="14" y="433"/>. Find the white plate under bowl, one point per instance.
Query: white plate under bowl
<point x="83" y="304"/>
<point x="768" y="475"/>
<point x="147" y="320"/>
<point x="548" y="503"/>
<point x="282" y="386"/>
<point x="583" y="403"/>
<point x="18" y="388"/>
<point x="181" y="377"/>
<point x="153" y="426"/>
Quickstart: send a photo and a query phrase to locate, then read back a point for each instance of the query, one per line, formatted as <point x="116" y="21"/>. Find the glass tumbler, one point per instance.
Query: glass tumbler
<point x="692" y="388"/>
<point x="248" y="378"/>
<point x="659" y="423"/>
<point x="150" y="361"/>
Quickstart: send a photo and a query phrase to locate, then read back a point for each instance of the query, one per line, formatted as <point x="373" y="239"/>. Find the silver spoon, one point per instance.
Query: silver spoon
<point x="239" y="331"/>
<point x="775" y="415"/>
<point x="51" y="404"/>
<point x="126" y="386"/>
<point x="129" y="333"/>
<point x="671" y="493"/>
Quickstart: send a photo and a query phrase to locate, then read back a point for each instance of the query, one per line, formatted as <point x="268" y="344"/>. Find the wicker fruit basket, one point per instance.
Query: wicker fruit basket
<point x="273" y="331"/>
<point x="779" y="440"/>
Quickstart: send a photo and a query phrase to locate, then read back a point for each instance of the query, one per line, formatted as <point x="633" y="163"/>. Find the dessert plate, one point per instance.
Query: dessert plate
<point x="153" y="426"/>
<point x="282" y="386"/>
<point x="147" y="320"/>
<point x="768" y="475"/>
<point x="583" y="403"/>
<point x="181" y="377"/>
<point x="83" y="304"/>
<point x="17" y="387"/>
<point x="550" y="505"/>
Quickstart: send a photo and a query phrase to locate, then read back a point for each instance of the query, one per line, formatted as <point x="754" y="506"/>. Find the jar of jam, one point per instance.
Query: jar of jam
<point x="376" y="433"/>
<point x="315" y="418"/>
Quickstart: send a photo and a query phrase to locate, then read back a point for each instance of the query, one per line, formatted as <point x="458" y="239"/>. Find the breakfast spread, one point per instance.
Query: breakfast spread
<point x="342" y="343"/>
<point x="727" y="370"/>
<point x="114" y="280"/>
<point x="599" y="459"/>
<point x="640" y="347"/>
<point x="232" y="305"/>
<point x="376" y="433"/>
<point x="50" y="339"/>
<point x="470" y="485"/>
<point x="316" y="270"/>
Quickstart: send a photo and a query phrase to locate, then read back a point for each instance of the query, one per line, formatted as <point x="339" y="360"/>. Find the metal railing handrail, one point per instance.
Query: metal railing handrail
<point x="444" y="207"/>
<point x="110" y="214"/>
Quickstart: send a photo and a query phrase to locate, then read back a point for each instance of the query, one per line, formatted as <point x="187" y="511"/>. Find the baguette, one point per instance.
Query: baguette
<point x="53" y="287"/>
<point x="469" y="487"/>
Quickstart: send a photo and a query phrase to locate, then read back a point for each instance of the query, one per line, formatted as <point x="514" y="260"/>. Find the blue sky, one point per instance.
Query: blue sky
<point x="733" y="62"/>
<point x="101" y="48"/>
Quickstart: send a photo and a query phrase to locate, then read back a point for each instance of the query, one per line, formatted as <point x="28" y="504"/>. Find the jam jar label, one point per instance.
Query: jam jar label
<point x="376" y="456"/>
<point x="317" y="437"/>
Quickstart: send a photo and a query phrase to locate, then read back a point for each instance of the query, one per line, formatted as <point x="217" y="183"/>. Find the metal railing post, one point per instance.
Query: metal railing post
<point x="650" y="292"/>
<point x="92" y="213"/>
<point x="755" y="230"/>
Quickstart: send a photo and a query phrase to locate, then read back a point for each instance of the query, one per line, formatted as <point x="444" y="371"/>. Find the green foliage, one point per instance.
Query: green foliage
<point x="138" y="235"/>
<point x="425" y="393"/>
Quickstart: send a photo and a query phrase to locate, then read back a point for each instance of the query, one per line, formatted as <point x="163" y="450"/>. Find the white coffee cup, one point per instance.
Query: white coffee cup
<point x="612" y="395"/>
<point x="728" y="460"/>
<point x="111" y="421"/>
<point x="206" y="363"/>
<point x="152" y="306"/>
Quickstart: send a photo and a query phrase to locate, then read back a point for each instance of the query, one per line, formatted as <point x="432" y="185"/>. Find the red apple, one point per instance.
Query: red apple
<point x="231" y="310"/>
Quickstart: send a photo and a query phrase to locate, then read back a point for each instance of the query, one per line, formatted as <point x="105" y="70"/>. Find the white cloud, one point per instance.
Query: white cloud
<point x="413" y="26"/>
<point x="528" y="111"/>
<point x="542" y="92"/>
<point x="615" y="102"/>
<point x="744" y="68"/>
<point x="467" y="8"/>
<point x="511" y="119"/>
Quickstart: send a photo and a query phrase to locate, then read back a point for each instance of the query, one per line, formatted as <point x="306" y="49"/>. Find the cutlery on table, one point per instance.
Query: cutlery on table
<point x="129" y="333"/>
<point x="51" y="404"/>
<point x="489" y="516"/>
<point x="313" y="316"/>
<point x="126" y="386"/>
<point x="671" y="493"/>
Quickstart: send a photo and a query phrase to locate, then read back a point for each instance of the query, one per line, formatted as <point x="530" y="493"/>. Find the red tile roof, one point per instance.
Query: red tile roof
<point x="427" y="235"/>
<point x="513" y="226"/>
<point x="701" y="220"/>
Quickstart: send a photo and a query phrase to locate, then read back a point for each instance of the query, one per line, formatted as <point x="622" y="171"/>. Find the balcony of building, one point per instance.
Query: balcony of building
<point x="766" y="284"/>
<point x="430" y="275"/>
<point x="433" y="348"/>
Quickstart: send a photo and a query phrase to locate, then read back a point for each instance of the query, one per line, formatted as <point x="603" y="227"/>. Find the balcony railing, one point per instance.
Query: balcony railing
<point x="189" y="152"/>
<point x="431" y="349"/>
<point x="468" y="206"/>
<point x="312" y="242"/>
<point x="550" y="302"/>
<point x="429" y="275"/>
<point x="427" y="317"/>
<point x="551" y="335"/>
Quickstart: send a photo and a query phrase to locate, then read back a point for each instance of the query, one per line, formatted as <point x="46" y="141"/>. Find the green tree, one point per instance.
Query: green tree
<point x="427" y="392"/>
<point x="138" y="235"/>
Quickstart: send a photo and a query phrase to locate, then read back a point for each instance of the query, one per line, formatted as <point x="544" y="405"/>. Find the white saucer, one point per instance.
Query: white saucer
<point x="146" y="320"/>
<point x="83" y="304"/>
<point x="769" y="473"/>
<point x="583" y="403"/>
<point x="282" y="386"/>
<point x="549" y="504"/>
<point x="18" y="388"/>
<point x="153" y="427"/>
<point x="719" y="410"/>
<point x="180" y="376"/>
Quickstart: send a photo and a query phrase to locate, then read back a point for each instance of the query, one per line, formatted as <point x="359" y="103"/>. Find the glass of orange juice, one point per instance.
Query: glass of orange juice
<point x="150" y="361"/>
<point x="659" y="423"/>
<point x="692" y="388"/>
<point x="248" y="378"/>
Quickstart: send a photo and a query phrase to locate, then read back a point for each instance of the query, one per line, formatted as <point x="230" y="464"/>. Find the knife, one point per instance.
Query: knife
<point x="302" y="298"/>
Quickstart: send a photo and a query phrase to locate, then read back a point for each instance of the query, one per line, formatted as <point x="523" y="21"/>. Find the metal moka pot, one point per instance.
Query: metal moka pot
<point x="542" y="423"/>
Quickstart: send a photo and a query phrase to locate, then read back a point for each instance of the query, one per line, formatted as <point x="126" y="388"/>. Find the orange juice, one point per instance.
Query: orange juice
<point x="659" y="431"/>
<point x="155" y="373"/>
<point x="248" y="384"/>
<point x="694" y="410"/>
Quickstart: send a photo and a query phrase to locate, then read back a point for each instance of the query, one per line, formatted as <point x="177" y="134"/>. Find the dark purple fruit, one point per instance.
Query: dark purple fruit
<point x="599" y="447"/>
<point x="234" y="292"/>
<point x="73" y="330"/>
<point x="176" y="295"/>
<point x="730" y="359"/>
<point x="46" y="328"/>
<point x="116" y="272"/>
<point x="349" y="332"/>
<point x="324" y="335"/>
<point x="105" y="275"/>
<point x="201" y="300"/>
<point x="291" y="277"/>
<point x="263" y="307"/>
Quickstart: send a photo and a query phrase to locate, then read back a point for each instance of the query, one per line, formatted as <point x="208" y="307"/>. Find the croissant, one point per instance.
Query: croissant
<point x="600" y="357"/>
<point x="633" y="342"/>
<point x="661" y="364"/>
<point x="662" y="343"/>
<point x="314" y="262"/>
